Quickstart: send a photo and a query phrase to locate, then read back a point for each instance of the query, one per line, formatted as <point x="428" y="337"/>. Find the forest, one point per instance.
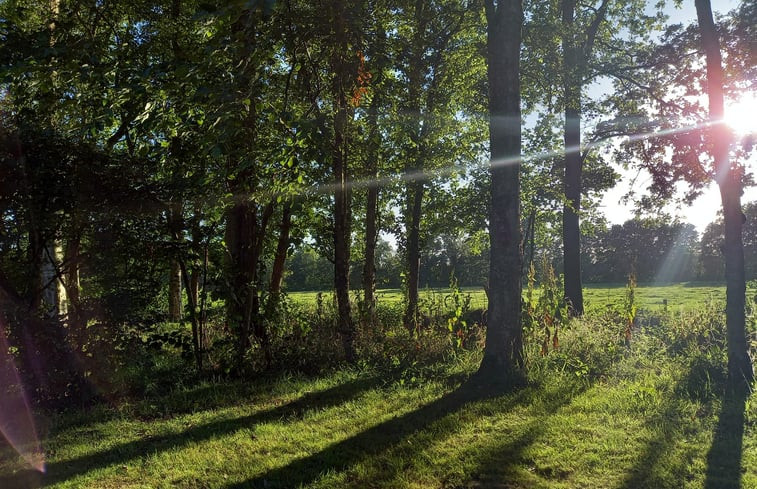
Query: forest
<point x="371" y="243"/>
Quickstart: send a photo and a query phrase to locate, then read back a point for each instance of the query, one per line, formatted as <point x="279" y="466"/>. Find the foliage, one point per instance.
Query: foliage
<point x="545" y="313"/>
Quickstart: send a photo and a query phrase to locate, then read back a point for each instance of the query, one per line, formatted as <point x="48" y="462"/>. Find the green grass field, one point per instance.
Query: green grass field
<point x="651" y="297"/>
<point x="354" y="429"/>
<point x="594" y="414"/>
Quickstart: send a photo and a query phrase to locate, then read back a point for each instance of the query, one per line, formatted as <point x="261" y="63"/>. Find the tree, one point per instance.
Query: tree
<point x="503" y="353"/>
<point x="711" y="262"/>
<point x="729" y="180"/>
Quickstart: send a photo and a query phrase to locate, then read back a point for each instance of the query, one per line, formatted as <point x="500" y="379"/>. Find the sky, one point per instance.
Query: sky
<point x="705" y="208"/>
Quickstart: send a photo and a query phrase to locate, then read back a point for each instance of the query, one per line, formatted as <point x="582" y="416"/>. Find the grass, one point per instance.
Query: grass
<point x="681" y="296"/>
<point x="646" y="417"/>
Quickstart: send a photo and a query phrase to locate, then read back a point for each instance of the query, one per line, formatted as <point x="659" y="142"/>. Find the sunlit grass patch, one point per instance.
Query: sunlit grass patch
<point x="639" y="417"/>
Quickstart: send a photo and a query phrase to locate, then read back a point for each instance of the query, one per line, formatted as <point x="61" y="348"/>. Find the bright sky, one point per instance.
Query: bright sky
<point x="742" y="117"/>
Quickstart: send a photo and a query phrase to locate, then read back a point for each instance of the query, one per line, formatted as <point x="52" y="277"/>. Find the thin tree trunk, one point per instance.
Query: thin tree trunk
<point x="503" y="354"/>
<point x="279" y="260"/>
<point x="740" y="371"/>
<point x="371" y="171"/>
<point x="342" y="193"/>
<point x="174" y="292"/>
<point x="413" y="255"/>
<point x="418" y="129"/>
<point x="371" y="237"/>
<point x="71" y="281"/>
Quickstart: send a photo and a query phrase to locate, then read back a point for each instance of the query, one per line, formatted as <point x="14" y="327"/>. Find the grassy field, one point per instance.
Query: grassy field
<point x="651" y="297"/>
<point x="632" y="429"/>
<point x="593" y="414"/>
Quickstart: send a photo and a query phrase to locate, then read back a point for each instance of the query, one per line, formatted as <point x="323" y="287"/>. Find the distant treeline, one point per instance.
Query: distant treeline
<point x="654" y="249"/>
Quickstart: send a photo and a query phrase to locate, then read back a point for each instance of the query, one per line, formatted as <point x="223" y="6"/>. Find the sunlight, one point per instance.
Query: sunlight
<point x="16" y="421"/>
<point x="741" y="115"/>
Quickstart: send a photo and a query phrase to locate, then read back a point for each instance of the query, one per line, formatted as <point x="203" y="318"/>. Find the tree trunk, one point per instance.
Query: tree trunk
<point x="174" y="292"/>
<point x="415" y="201"/>
<point x="418" y="128"/>
<point x="371" y="237"/>
<point x="342" y="194"/>
<point x="573" y="163"/>
<point x="241" y="227"/>
<point x="279" y="260"/>
<point x="371" y="172"/>
<point x="71" y="280"/>
<point x="503" y="353"/>
<point x="740" y="371"/>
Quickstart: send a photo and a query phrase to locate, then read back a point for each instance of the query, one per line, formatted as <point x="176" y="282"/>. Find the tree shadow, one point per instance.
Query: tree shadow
<point x="644" y="473"/>
<point x="496" y="468"/>
<point x="724" y="457"/>
<point x="122" y="453"/>
<point x="388" y="435"/>
<point x="372" y="441"/>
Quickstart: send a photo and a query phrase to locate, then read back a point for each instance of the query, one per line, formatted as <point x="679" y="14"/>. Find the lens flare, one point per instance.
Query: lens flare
<point x="16" y="422"/>
<point x="741" y="115"/>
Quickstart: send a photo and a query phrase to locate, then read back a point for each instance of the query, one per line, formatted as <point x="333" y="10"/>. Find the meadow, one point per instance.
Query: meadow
<point x="680" y="296"/>
<point x="594" y="413"/>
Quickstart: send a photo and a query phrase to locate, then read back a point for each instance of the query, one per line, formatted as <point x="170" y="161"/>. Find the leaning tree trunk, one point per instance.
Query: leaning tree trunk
<point x="503" y="353"/>
<point x="342" y="193"/>
<point x="740" y="371"/>
<point x="279" y="261"/>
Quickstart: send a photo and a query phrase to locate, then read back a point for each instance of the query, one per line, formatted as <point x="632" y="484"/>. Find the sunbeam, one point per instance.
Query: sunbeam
<point x="427" y="175"/>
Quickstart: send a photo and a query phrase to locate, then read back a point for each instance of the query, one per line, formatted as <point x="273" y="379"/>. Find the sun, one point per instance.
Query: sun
<point x="741" y="114"/>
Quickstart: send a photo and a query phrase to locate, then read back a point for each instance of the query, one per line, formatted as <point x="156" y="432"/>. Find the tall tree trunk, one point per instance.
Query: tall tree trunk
<point x="371" y="239"/>
<point x="503" y="353"/>
<point x="740" y="371"/>
<point x="342" y="195"/>
<point x="417" y="130"/>
<point x="414" y="211"/>
<point x="371" y="172"/>
<point x="573" y="163"/>
<point x="575" y="57"/>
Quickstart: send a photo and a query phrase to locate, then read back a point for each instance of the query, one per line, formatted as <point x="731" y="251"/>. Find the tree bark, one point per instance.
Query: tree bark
<point x="573" y="163"/>
<point x="279" y="260"/>
<point x="71" y="281"/>
<point x="740" y="372"/>
<point x="371" y="171"/>
<point x="342" y="194"/>
<point x="174" y="292"/>
<point x="503" y="353"/>
<point x="415" y="202"/>
<point x="418" y="128"/>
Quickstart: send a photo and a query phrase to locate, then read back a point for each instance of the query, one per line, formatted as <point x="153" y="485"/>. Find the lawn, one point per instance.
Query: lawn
<point x="680" y="296"/>
<point x="593" y="415"/>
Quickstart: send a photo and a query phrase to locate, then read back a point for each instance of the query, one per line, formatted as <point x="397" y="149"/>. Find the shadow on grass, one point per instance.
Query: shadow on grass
<point x="372" y="441"/>
<point x="724" y="457"/>
<point x="386" y="437"/>
<point x="497" y="464"/>
<point x="648" y="471"/>
<point x="125" y="452"/>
